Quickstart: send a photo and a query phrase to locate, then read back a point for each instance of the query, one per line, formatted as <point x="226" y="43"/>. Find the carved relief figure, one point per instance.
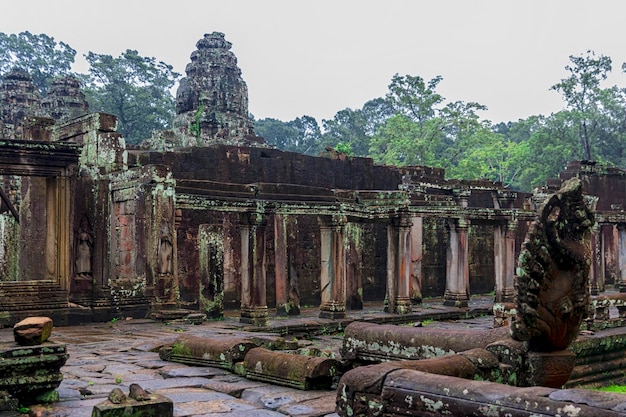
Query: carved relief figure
<point x="552" y="286"/>
<point x="84" y="250"/>
<point x="166" y="250"/>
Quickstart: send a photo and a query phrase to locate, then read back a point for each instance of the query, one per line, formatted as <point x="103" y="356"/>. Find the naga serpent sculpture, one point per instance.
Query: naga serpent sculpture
<point x="552" y="280"/>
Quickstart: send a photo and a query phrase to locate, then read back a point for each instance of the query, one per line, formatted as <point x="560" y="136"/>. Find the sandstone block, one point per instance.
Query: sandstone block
<point x="32" y="331"/>
<point x="155" y="405"/>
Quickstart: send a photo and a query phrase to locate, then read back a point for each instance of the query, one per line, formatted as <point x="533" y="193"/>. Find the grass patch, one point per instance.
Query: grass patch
<point x="620" y="389"/>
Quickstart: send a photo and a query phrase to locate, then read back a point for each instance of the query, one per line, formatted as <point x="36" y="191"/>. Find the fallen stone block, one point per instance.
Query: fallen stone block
<point x="32" y="331"/>
<point x="199" y="351"/>
<point x="373" y="343"/>
<point x="407" y="392"/>
<point x="292" y="370"/>
<point x="26" y="372"/>
<point x="151" y="405"/>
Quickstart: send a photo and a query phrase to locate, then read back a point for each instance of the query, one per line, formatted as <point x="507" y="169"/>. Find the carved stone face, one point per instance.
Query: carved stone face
<point x="185" y="97"/>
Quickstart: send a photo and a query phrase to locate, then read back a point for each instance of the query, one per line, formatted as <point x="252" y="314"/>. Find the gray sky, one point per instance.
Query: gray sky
<point x="303" y="57"/>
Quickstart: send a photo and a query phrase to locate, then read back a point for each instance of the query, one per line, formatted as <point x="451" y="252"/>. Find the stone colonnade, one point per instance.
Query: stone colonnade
<point x="403" y="278"/>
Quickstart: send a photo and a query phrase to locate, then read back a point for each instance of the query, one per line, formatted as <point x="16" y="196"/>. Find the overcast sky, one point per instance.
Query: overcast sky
<point x="302" y="57"/>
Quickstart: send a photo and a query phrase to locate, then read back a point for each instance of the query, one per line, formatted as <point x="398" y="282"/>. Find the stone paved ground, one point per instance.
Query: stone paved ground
<point x="108" y="355"/>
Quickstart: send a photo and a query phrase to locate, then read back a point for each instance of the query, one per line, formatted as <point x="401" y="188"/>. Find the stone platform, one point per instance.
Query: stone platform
<point x="104" y="356"/>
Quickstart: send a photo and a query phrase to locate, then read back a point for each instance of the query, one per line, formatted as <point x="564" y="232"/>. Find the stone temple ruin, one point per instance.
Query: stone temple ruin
<point x="208" y="217"/>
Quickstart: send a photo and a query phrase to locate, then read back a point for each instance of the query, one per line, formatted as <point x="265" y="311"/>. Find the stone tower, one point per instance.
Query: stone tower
<point x="212" y="101"/>
<point x="18" y="97"/>
<point x="65" y="100"/>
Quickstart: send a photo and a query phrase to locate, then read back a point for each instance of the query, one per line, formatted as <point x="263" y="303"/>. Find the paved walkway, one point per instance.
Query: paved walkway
<point x="108" y="355"/>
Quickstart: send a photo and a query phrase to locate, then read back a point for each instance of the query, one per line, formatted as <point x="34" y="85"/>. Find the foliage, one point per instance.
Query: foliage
<point x="40" y="55"/>
<point x="355" y="128"/>
<point x="134" y="88"/>
<point x="584" y="97"/>
<point x="299" y="135"/>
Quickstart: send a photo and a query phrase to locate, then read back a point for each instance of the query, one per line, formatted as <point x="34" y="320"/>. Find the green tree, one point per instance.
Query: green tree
<point x="612" y="136"/>
<point x="299" y="135"/>
<point x="134" y="88"/>
<point x="40" y="55"/>
<point x="414" y="98"/>
<point x="584" y="96"/>
<point x="462" y="130"/>
<point x="551" y="146"/>
<point x="402" y="141"/>
<point x="353" y="129"/>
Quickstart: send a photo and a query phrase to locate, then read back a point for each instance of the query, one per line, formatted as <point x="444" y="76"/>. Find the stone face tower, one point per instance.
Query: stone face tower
<point x="212" y="101"/>
<point x="18" y="97"/>
<point x="64" y="99"/>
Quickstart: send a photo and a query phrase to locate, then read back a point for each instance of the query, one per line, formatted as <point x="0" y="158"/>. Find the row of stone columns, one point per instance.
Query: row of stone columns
<point x="404" y="253"/>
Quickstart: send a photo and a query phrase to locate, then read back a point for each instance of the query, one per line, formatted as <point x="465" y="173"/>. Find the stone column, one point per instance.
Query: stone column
<point x="399" y="265"/>
<point x="499" y="262"/>
<point x="596" y="269"/>
<point x="284" y="304"/>
<point x="253" y="279"/>
<point x="333" y="268"/>
<point x="417" y="237"/>
<point x="457" y="268"/>
<point x="504" y="261"/>
<point x="621" y="255"/>
<point x="354" y="266"/>
<point x="510" y="263"/>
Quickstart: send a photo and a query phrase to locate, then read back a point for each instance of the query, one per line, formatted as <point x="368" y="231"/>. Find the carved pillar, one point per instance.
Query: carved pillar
<point x="596" y="270"/>
<point x="499" y="263"/>
<point x="621" y="255"/>
<point x="354" y="266"/>
<point x="333" y="270"/>
<point x="285" y="304"/>
<point x="508" y="289"/>
<point x="253" y="278"/>
<point x="504" y="257"/>
<point x="417" y="237"/>
<point x="457" y="268"/>
<point x="399" y="265"/>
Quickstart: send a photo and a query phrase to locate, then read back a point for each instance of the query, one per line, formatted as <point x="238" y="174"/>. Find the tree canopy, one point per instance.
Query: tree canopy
<point x="134" y="88"/>
<point x="413" y="124"/>
<point x="40" y="55"/>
